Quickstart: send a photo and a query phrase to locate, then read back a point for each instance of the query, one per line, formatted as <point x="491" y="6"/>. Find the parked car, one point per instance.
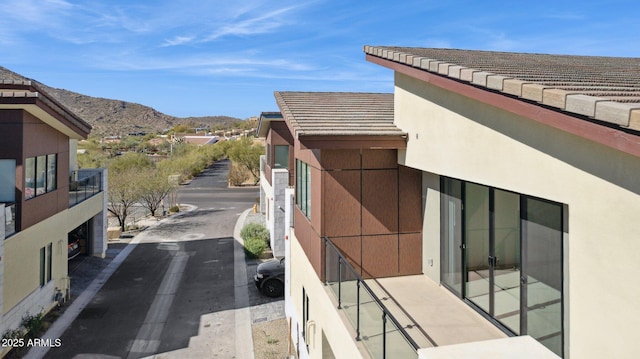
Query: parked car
<point x="269" y="277"/>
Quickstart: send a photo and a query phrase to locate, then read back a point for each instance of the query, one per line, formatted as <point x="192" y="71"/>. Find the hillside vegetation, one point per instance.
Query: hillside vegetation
<point x="114" y="117"/>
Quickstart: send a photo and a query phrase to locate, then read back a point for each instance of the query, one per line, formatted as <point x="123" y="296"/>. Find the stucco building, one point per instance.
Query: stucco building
<point x="51" y="210"/>
<point x="485" y="209"/>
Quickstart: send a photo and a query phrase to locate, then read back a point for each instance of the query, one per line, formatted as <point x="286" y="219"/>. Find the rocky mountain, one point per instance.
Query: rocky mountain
<point x="114" y="117"/>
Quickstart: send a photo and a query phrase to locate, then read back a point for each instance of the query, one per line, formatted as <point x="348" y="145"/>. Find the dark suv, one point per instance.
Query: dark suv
<point x="269" y="278"/>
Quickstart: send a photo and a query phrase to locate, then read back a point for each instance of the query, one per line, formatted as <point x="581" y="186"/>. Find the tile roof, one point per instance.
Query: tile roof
<point x="601" y="88"/>
<point x="338" y="113"/>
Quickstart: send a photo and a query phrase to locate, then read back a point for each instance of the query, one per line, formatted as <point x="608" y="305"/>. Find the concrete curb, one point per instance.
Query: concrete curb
<point x="244" y="348"/>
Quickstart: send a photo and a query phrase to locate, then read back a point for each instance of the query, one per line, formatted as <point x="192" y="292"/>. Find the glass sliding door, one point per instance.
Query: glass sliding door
<point x="451" y="234"/>
<point x="502" y="251"/>
<point x="477" y="245"/>
<point x="542" y="265"/>
<point x="506" y="251"/>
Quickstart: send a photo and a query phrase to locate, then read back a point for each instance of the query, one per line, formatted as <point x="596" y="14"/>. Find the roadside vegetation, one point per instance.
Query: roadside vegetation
<point x="256" y="239"/>
<point x="148" y="169"/>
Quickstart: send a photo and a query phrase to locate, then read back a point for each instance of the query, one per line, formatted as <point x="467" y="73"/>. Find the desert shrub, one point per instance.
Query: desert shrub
<point x="254" y="247"/>
<point x="256" y="239"/>
<point x="255" y="230"/>
<point x="237" y="175"/>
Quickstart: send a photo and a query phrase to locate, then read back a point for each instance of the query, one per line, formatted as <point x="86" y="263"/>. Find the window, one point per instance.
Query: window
<point x="305" y="316"/>
<point x="502" y="251"/>
<point x="49" y="261"/>
<point x="30" y="178"/>
<point x="303" y="187"/>
<point x="281" y="157"/>
<point x="7" y="181"/>
<point x="52" y="167"/>
<point x="46" y="264"/>
<point x="40" y="175"/>
<point x="43" y="267"/>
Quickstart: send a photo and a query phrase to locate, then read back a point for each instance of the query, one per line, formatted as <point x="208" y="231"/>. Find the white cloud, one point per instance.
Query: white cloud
<point x="178" y="40"/>
<point x="255" y="25"/>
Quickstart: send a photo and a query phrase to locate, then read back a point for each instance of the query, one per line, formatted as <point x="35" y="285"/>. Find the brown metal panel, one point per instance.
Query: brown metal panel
<point x="410" y="253"/>
<point x="341" y="203"/>
<point x="267" y="172"/>
<point x="310" y="242"/>
<point x="410" y="208"/>
<point x="372" y="159"/>
<point x="39" y="138"/>
<point x="11" y="129"/>
<point x="351" y="248"/>
<point x="379" y="256"/>
<point x="316" y="199"/>
<point x="280" y="133"/>
<point x="310" y="157"/>
<point x="379" y="201"/>
<point x="40" y="208"/>
<point x="63" y="179"/>
<point x="340" y="159"/>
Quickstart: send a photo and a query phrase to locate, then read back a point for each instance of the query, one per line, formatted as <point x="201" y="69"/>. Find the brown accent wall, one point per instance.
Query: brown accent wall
<point x="368" y="205"/>
<point x="379" y="201"/>
<point x="279" y="135"/>
<point x="365" y="193"/>
<point x="310" y="242"/>
<point x="341" y="208"/>
<point x="27" y="136"/>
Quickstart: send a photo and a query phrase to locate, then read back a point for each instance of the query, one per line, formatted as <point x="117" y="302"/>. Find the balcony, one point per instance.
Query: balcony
<point x="87" y="185"/>
<point x="408" y="316"/>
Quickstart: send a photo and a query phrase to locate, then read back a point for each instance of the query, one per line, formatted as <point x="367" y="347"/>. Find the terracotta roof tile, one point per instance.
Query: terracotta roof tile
<point x="603" y="88"/>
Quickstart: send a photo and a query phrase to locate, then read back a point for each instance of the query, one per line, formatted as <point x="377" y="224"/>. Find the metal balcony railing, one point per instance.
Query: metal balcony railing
<point x="85" y="187"/>
<point x="375" y="326"/>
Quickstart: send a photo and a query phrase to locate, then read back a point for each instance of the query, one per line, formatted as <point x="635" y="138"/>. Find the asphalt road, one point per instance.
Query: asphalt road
<point x="181" y="269"/>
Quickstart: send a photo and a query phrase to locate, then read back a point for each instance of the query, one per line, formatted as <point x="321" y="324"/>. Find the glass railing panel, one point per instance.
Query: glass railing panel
<point x="375" y="327"/>
<point x="349" y="294"/>
<point x="84" y="188"/>
<point x="397" y="345"/>
<point x="371" y="325"/>
<point x="332" y="271"/>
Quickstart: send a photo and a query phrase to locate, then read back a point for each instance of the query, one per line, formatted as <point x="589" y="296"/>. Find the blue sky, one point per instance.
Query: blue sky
<point x="199" y="57"/>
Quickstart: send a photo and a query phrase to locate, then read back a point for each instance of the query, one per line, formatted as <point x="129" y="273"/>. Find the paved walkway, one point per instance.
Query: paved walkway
<point x="201" y="346"/>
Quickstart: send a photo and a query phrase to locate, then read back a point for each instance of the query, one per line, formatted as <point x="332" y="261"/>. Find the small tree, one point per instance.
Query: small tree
<point x="125" y="180"/>
<point x="247" y="154"/>
<point x="154" y="188"/>
<point x="124" y="192"/>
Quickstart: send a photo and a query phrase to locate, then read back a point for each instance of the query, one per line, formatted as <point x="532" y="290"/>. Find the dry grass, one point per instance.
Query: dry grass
<point x="270" y="339"/>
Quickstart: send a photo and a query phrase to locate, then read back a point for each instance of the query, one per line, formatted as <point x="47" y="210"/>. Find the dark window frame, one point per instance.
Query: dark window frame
<point x="40" y="176"/>
<point x="461" y="292"/>
<point x="303" y="188"/>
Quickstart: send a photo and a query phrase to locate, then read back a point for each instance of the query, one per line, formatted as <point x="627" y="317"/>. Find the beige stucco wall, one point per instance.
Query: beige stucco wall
<point x="468" y="140"/>
<point x="322" y="310"/>
<point x="22" y="251"/>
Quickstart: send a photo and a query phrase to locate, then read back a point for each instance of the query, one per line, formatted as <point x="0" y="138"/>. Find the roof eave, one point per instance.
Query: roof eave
<point x="606" y="135"/>
<point x="398" y="141"/>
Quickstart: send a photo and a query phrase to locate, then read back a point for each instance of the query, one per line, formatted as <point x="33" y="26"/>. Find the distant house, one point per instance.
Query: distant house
<point x="51" y="210"/>
<point x="488" y="207"/>
<point x="195" y="139"/>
